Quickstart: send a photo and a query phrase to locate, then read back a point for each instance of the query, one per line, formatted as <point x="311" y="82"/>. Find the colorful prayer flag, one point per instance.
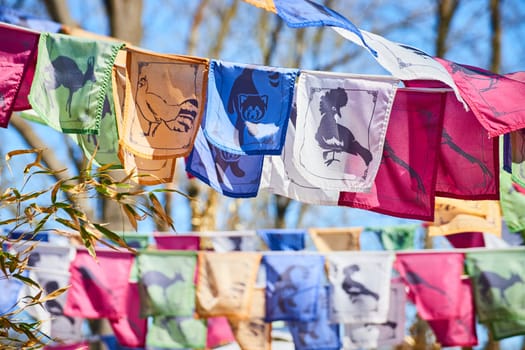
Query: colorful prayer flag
<point x="24" y="19"/>
<point x="400" y="237"/>
<point x="283" y="239"/>
<point x="177" y="241"/>
<point x="341" y="126"/>
<point x="223" y="242"/>
<point x="512" y="201"/>
<point x="335" y="239"/>
<point x="74" y="73"/>
<point x="267" y="5"/>
<point x="466" y="239"/>
<point x="248" y="107"/>
<point x="219" y="332"/>
<point x="130" y="330"/>
<point x="175" y="332"/>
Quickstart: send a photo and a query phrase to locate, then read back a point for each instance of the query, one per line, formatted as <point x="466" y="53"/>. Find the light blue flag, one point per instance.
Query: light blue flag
<point x="248" y="107"/>
<point x="11" y="288"/>
<point x="307" y="13"/>
<point x="20" y="18"/>
<point x="293" y="282"/>
<point x="283" y="239"/>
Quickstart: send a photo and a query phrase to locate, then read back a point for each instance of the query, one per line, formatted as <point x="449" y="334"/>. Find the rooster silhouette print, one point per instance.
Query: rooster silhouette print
<point x="488" y="280"/>
<point x="416" y="280"/>
<point x="65" y="72"/>
<point x="289" y="287"/>
<point x="333" y="137"/>
<point x="156" y="110"/>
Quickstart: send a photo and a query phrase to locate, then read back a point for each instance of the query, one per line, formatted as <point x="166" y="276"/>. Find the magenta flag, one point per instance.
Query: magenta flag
<point x="177" y="242"/>
<point x="404" y="185"/>
<point x="460" y="330"/>
<point x="18" y="54"/>
<point x="98" y="287"/>
<point x="77" y="346"/>
<point x="130" y="330"/>
<point x="219" y="332"/>
<point x="436" y="295"/>
<point x="466" y="240"/>
<point x="496" y="100"/>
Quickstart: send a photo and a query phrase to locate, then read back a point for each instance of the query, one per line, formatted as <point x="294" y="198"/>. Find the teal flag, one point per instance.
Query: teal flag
<point x="498" y="279"/>
<point x="73" y="78"/>
<point x="170" y="332"/>
<point x="167" y="282"/>
<point x="399" y="237"/>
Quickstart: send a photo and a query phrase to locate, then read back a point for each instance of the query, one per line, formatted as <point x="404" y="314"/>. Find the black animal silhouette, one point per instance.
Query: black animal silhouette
<point x="334" y="137"/>
<point x="446" y="139"/>
<point x="97" y="289"/>
<point x="178" y="117"/>
<point x="33" y="259"/>
<point x="65" y="72"/>
<point x="416" y="280"/>
<point x="53" y="306"/>
<point x="489" y="279"/>
<point x="354" y="288"/>
<point x="157" y="278"/>
<point x="225" y="160"/>
<point x="288" y="285"/>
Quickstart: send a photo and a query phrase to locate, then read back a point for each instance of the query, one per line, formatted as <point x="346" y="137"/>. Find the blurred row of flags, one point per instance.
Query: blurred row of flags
<point x="172" y="294"/>
<point x="317" y="137"/>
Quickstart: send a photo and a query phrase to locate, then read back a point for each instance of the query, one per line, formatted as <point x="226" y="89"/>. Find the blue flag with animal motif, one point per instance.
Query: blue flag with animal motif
<point x="233" y="175"/>
<point x="248" y="107"/>
<point x="293" y="282"/>
<point x="319" y="334"/>
<point x="283" y="239"/>
<point x="73" y="80"/>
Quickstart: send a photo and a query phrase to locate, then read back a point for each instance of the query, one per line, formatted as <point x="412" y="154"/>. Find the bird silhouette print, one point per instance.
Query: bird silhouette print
<point x="65" y="72"/>
<point x="488" y="280"/>
<point x="353" y="288"/>
<point x="334" y="137"/>
<point x="155" y="110"/>
<point x="416" y="280"/>
<point x="157" y="278"/>
<point x="52" y="305"/>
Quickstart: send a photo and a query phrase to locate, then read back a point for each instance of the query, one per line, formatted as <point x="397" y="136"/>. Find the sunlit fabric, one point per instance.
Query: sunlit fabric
<point x="512" y="202"/>
<point x="336" y="238"/>
<point x="233" y="175"/>
<point x="482" y="90"/>
<point x="267" y="5"/>
<point x="17" y="61"/>
<point x="74" y="75"/>
<point x="253" y="333"/>
<point x="248" y="107"/>
<point x="99" y="287"/>
<point x="460" y="330"/>
<point x="466" y="240"/>
<point x="373" y="335"/>
<point x="340" y="128"/>
<point x="219" y="332"/>
<point x="283" y="239"/>
<point x="456" y="216"/>
<point x="360" y="285"/>
<point x="165" y="97"/>
<point x="399" y="237"/>
<point x="173" y="332"/>
<point x="319" y="334"/>
<point x="225" y="283"/>
<point x="292" y="286"/>
<point x="165" y="241"/>
<point x="167" y="282"/>
<point x="405" y="182"/>
<point x="437" y="296"/>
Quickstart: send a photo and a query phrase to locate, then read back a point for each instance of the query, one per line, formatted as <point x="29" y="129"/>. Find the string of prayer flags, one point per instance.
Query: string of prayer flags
<point x="248" y="107"/>
<point x="253" y="333"/>
<point x="373" y="335"/>
<point x="167" y="281"/>
<point x="405" y="182"/>
<point x="400" y="237"/>
<point x="483" y="89"/>
<point x="165" y="98"/>
<point x="283" y="239"/>
<point x="225" y="283"/>
<point x="236" y="241"/>
<point x="18" y="56"/>
<point x="292" y="286"/>
<point x="177" y="241"/>
<point x="74" y="75"/>
<point x="456" y="215"/>
<point x="320" y="333"/>
<point x="336" y="239"/>
<point x="233" y="175"/>
<point x="99" y="287"/>
<point x="460" y="330"/>
<point x="176" y="332"/>
<point x="436" y="296"/>
<point x="340" y="128"/>
<point x="360" y="286"/>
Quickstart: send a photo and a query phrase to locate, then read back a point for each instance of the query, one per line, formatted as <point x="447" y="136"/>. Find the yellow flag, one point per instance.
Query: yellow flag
<point x="267" y="5"/>
<point x="335" y="239"/>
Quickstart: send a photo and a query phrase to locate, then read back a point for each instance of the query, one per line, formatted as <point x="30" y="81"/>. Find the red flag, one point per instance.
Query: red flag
<point x="461" y="330"/>
<point x="130" y="330"/>
<point x="466" y="239"/>
<point x="18" y="60"/>
<point x="404" y="185"/>
<point x="98" y="287"/>
<point x="496" y="100"/>
<point x="436" y="295"/>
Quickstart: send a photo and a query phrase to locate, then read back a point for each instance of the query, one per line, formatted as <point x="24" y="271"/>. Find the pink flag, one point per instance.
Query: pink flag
<point x="99" y="287"/>
<point x="404" y="185"/>
<point x="461" y="330"/>
<point x="77" y="346"/>
<point x="436" y="295"/>
<point x="219" y="332"/>
<point x="496" y="100"/>
<point x="130" y="330"/>
<point x="18" y="60"/>
<point x="177" y="242"/>
<point x="466" y="239"/>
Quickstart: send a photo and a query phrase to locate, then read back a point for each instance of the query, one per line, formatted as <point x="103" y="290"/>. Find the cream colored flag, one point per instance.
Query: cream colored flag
<point x="336" y="239"/>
